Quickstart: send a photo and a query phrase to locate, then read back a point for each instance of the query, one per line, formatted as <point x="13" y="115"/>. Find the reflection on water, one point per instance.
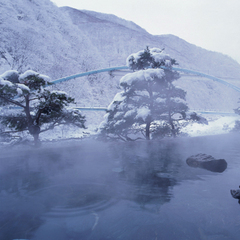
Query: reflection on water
<point x="138" y="190"/>
<point x="149" y="171"/>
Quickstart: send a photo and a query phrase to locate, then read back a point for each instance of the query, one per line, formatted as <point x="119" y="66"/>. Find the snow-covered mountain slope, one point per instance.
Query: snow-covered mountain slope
<point x="114" y="19"/>
<point x="117" y="39"/>
<point x="37" y="35"/>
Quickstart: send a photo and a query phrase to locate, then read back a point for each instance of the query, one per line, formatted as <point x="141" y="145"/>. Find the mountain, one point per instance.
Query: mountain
<point x="35" y="34"/>
<point x="58" y="42"/>
<point x="118" y="38"/>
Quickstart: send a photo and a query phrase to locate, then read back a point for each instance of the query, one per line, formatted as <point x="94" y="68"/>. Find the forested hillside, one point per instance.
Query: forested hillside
<point x="59" y="42"/>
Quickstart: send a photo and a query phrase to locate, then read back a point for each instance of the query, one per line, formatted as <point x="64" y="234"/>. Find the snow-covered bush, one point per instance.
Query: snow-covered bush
<point x="32" y="107"/>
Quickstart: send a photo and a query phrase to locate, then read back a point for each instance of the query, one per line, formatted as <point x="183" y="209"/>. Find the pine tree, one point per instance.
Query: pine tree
<point x="34" y="108"/>
<point x="237" y="122"/>
<point x="150" y="102"/>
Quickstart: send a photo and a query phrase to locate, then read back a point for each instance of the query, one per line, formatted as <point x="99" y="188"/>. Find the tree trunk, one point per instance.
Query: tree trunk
<point x="36" y="140"/>
<point x="149" y="119"/>
<point x="148" y="130"/>
<point x="171" y="123"/>
<point x="173" y="127"/>
<point x="34" y="130"/>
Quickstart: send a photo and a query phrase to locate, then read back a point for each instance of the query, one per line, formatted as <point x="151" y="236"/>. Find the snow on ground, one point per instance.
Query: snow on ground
<point x="93" y="119"/>
<point x="66" y="132"/>
<point x="218" y="125"/>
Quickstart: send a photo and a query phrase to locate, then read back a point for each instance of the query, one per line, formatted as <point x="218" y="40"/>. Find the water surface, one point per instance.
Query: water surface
<point x="138" y="190"/>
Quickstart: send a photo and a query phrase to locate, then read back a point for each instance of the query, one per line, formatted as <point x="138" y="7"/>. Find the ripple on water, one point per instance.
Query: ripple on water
<point x="75" y="199"/>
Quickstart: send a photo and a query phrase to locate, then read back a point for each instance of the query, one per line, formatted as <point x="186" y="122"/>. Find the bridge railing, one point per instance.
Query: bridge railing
<point x="87" y="73"/>
<point x="125" y="68"/>
<point x="188" y="71"/>
<point x="200" y="111"/>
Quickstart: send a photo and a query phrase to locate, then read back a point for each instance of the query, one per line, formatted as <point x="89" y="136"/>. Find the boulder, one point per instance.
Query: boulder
<point x="235" y="193"/>
<point x="207" y="162"/>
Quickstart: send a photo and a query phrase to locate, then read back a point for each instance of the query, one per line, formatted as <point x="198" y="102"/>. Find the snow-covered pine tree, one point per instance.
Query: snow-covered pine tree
<point x="32" y="107"/>
<point x="149" y="102"/>
<point x="237" y="122"/>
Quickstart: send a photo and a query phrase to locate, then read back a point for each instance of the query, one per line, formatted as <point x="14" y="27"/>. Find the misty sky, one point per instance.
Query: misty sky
<point x="210" y="24"/>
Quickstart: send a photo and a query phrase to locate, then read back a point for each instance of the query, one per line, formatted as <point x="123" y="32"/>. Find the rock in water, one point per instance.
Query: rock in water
<point x="207" y="162"/>
<point x="235" y="193"/>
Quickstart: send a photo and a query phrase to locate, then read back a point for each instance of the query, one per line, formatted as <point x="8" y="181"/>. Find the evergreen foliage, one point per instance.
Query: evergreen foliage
<point x="237" y="122"/>
<point x="150" y="103"/>
<point x="32" y="107"/>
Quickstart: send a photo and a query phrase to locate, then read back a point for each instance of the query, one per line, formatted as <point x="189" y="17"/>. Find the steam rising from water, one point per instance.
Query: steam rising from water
<point x="78" y="183"/>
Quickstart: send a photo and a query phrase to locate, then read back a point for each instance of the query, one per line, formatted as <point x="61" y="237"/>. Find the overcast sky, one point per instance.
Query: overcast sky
<point x="210" y="24"/>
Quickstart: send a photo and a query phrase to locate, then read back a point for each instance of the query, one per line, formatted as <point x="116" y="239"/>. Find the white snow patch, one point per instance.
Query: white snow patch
<point x="8" y="73"/>
<point x="106" y="116"/>
<point x="151" y="74"/>
<point x="142" y="75"/>
<point x="27" y="74"/>
<point x="218" y="126"/>
<point x="59" y="92"/>
<point x="5" y="83"/>
<point x="130" y="113"/>
<point x="119" y="122"/>
<point x="143" y="113"/>
<point x="101" y="126"/>
<point x="65" y="132"/>
<point x="33" y="73"/>
<point x="160" y="100"/>
<point x="123" y="106"/>
<point x="134" y="57"/>
<point x="118" y="98"/>
<point x="132" y="77"/>
<point x="118" y="114"/>
<point x="111" y="106"/>
<point x="23" y="87"/>
<point x="178" y="100"/>
<point x="19" y="91"/>
<point x="155" y="50"/>
<point x="168" y="63"/>
<point x="162" y="57"/>
<point x="45" y="78"/>
<point x="157" y="54"/>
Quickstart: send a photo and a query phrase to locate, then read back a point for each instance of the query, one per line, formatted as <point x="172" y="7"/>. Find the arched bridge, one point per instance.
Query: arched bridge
<point x="64" y="79"/>
<point x="124" y="69"/>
